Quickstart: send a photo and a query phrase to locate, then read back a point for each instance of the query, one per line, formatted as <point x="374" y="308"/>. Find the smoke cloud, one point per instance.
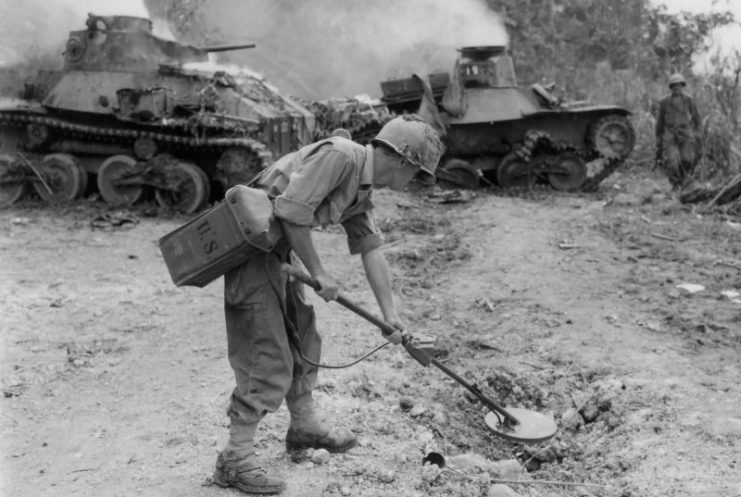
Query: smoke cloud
<point x="323" y="48"/>
<point x="33" y="33"/>
<point x="32" y="28"/>
<point x="313" y="49"/>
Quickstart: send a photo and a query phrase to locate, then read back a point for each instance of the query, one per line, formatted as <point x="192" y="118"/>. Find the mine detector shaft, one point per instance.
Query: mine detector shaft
<point x="497" y="132"/>
<point x="516" y="424"/>
<point x="138" y="112"/>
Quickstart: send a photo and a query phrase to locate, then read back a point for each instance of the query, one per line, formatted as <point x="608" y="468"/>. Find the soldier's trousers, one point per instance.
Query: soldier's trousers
<point x="266" y="368"/>
<point x="679" y="156"/>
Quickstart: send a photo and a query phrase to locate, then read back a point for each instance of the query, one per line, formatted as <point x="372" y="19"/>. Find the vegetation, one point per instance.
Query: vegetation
<point x="623" y="52"/>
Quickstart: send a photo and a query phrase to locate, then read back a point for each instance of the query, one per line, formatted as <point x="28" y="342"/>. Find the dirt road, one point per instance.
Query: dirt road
<point x="115" y="382"/>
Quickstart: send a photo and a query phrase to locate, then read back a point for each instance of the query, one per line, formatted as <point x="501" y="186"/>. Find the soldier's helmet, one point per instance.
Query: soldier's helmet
<point x="676" y="79"/>
<point x="415" y="140"/>
<point x="342" y="133"/>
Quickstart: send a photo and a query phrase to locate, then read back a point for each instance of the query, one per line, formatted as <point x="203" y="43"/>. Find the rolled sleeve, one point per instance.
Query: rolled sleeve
<point x="362" y="235"/>
<point x="294" y="211"/>
<point x="309" y="186"/>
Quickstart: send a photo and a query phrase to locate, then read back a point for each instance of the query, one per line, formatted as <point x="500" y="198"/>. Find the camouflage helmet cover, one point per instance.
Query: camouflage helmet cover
<point x="413" y="139"/>
<point x="676" y="79"/>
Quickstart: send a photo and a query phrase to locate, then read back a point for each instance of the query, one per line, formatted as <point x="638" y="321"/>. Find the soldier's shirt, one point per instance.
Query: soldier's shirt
<point x="678" y="112"/>
<point x="328" y="182"/>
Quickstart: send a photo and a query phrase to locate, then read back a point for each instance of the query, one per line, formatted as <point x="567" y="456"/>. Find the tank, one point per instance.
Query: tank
<point x="136" y="113"/>
<point x="498" y="132"/>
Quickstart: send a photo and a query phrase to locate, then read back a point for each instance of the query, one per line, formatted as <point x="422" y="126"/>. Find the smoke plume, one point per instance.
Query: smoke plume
<point x="313" y="49"/>
<point x="33" y="33"/>
<point x="35" y="27"/>
<point x="323" y="48"/>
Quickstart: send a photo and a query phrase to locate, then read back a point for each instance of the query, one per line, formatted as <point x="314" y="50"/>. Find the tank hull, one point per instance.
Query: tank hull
<point x="155" y="113"/>
<point x="498" y="132"/>
<point x="475" y="138"/>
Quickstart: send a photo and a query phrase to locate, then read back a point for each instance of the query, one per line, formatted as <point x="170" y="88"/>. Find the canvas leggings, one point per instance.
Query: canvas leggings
<point x="266" y="368"/>
<point x="679" y="155"/>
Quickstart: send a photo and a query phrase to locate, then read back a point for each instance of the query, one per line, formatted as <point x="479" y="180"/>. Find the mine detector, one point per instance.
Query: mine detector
<point x="496" y="131"/>
<point x="137" y="113"/>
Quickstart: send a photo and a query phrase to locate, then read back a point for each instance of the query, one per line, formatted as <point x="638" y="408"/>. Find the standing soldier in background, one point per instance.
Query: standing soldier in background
<point x="677" y="132"/>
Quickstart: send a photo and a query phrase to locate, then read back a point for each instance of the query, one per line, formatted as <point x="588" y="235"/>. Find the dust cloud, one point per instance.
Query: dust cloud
<point x="323" y="48"/>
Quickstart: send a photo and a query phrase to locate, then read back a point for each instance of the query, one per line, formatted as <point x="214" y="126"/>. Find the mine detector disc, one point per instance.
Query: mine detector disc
<point x="531" y="426"/>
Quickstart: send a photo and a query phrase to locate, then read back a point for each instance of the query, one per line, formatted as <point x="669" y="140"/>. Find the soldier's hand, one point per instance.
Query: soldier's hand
<point x="397" y="336"/>
<point x="328" y="287"/>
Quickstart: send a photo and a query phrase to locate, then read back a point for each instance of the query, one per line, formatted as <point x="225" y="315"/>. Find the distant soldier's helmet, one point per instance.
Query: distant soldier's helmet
<point x="415" y="140"/>
<point x="342" y="133"/>
<point x="677" y="79"/>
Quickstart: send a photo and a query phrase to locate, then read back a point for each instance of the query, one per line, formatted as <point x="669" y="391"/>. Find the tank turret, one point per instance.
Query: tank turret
<point x="486" y="67"/>
<point x="138" y="112"/>
<point x="124" y="43"/>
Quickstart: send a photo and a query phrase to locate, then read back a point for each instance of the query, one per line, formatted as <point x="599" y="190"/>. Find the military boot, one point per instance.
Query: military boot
<point x="237" y="466"/>
<point x="307" y="431"/>
<point x="246" y="474"/>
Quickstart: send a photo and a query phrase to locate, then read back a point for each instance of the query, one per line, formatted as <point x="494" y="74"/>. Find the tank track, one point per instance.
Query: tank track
<point x="537" y="140"/>
<point x="113" y="134"/>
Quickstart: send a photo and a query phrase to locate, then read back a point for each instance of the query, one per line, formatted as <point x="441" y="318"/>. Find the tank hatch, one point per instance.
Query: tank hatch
<point x="482" y="52"/>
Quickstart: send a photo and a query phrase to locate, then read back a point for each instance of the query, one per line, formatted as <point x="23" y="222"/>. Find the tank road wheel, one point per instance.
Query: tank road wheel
<point x="612" y="136"/>
<point x="111" y="172"/>
<point x="60" y="180"/>
<point x="84" y="179"/>
<point x="206" y="184"/>
<point x="238" y="166"/>
<point x="514" y="171"/>
<point x="459" y="173"/>
<point x="81" y="171"/>
<point x="12" y="180"/>
<point x="568" y="173"/>
<point x="186" y="187"/>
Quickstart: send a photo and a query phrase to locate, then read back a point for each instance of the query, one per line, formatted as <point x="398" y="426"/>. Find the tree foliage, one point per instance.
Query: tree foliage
<point x="550" y="35"/>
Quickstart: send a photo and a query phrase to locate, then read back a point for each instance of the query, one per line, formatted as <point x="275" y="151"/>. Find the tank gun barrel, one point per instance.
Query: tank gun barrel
<point x="226" y="48"/>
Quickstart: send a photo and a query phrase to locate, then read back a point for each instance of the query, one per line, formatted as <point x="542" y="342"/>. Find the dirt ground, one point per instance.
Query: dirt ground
<point x="116" y="382"/>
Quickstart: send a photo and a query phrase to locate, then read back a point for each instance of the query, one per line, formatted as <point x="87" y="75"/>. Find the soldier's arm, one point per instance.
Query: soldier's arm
<point x="299" y="237"/>
<point x="377" y="273"/>
<point x="364" y="238"/>
<point x="308" y="186"/>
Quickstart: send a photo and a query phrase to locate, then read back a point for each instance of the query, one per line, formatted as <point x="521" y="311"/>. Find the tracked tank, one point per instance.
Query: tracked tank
<point x="498" y="132"/>
<point x="133" y="112"/>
